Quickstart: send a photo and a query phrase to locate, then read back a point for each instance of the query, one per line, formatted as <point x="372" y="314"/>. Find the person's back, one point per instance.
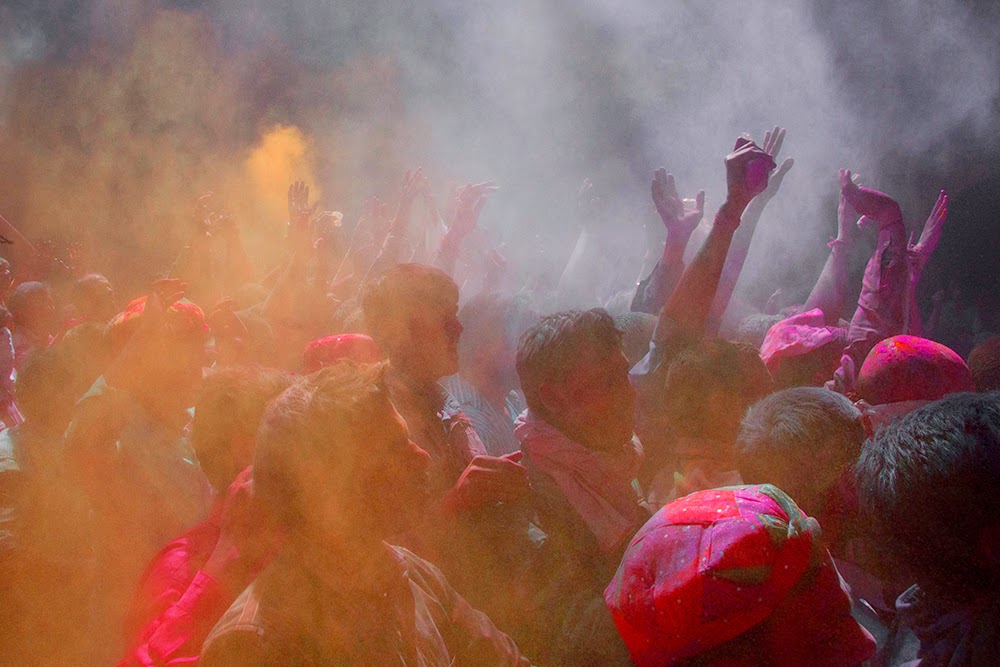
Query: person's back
<point x="929" y="485"/>
<point x="733" y="576"/>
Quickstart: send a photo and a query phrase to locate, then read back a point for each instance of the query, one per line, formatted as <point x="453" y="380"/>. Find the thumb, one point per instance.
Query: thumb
<point x="514" y="457"/>
<point x="784" y="168"/>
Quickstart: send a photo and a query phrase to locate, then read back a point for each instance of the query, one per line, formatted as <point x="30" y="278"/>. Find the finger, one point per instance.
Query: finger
<point x="670" y="187"/>
<point x="777" y="142"/>
<point x="699" y="201"/>
<point x="513" y="456"/>
<point x="787" y="164"/>
<point x="767" y="140"/>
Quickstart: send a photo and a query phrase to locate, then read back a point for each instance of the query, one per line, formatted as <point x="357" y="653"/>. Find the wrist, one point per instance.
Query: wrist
<point x="730" y="213"/>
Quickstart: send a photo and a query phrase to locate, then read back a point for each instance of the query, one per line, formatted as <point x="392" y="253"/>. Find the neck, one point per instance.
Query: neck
<point x="415" y="377"/>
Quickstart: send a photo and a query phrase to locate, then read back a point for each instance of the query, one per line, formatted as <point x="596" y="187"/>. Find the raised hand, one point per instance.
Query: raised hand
<point x="747" y="171"/>
<point x="679" y="216"/>
<point x="921" y="251"/>
<point x="414" y="184"/>
<point x="874" y="206"/>
<point x="298" y="203"/>
<point x="471" y="200"/>
<point x="773" y="139"/>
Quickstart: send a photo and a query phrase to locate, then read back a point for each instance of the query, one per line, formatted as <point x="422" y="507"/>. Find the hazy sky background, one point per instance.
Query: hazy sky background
<point x="115" y="114"/>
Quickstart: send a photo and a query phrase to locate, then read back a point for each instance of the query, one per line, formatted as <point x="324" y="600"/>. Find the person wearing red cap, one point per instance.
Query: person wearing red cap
<point x="903" y="373"/>
<point x="126" y="446"/>
<point x="735" y="575"/>
<point x="193" y="580"/>
<point x="329" y="350"/>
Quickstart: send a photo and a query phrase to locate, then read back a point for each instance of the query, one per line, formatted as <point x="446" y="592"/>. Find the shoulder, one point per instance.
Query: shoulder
<point x="241" y="625"/>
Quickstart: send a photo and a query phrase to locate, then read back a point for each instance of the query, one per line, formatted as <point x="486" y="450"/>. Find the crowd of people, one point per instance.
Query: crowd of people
<point x="387" y="450"/>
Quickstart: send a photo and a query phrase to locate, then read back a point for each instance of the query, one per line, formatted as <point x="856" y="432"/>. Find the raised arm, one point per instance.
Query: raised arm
<point x="830" y="292"/>
<point x="681" y="218"/>
<point x="737" y="257"/>
<point x="881" y="305"/>
<point x="917" y="256"/>
<point x="747" y="170"/>
<point x="392" y="248"/>
<point x="471" y="200"/>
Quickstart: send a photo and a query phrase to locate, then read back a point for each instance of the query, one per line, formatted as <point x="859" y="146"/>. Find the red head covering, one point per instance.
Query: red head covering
<point x="184" y="320"/>
<point x="909" y="368"/>
<point x="795" y="336"/>
<point x="325" y="351"/>
<point x="713" y="565"/>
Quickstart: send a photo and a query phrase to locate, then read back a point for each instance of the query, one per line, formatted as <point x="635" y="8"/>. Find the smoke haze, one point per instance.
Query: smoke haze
<point x="116" y="114"/>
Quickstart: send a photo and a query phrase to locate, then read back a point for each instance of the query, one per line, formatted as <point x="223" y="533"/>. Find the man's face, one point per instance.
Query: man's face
<point x="596" y="402"/>
<point x="101" y="298"/>
<point x="433" y="344"/>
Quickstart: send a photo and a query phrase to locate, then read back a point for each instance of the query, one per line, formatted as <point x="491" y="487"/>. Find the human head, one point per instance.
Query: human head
<point x="801" y="351"/>
<point x="226" y="416"/>
<point x="94" y="298"/>
<point x="801" y="440"/>
<point x="910" y="368"/>
<point x="46" y="390"/>
<point x="89" y="347"/>
<point x="491" y="326"/>
<point x="753" y="328"/>
<point x="31" y="306"/>
<point x="172" y="377"/>
<point x="984" y="364"/>
<point x="575" y="376"/>
<point x="331" y="349"/>
<point x="929" y="486"/>
<point x="735" y="575"/>
<point x="335" y="459"/>
<point x="411" y="312"/>
<point x="709" y="386"/>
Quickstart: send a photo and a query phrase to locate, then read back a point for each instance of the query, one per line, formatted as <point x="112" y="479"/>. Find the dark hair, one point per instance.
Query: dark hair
<point x="22" y="296"/>
<point x="320" y="420"/>
<point x="984" y="363"/>
<point x="929" y="484"/>
<point x="785" y="429"/>
<point x="753" y="328"/>
<point x="713" y="367"/>
<point x="229" y="406"/>
<point x="548" y="350"/>
<point x="393" y="298"/>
